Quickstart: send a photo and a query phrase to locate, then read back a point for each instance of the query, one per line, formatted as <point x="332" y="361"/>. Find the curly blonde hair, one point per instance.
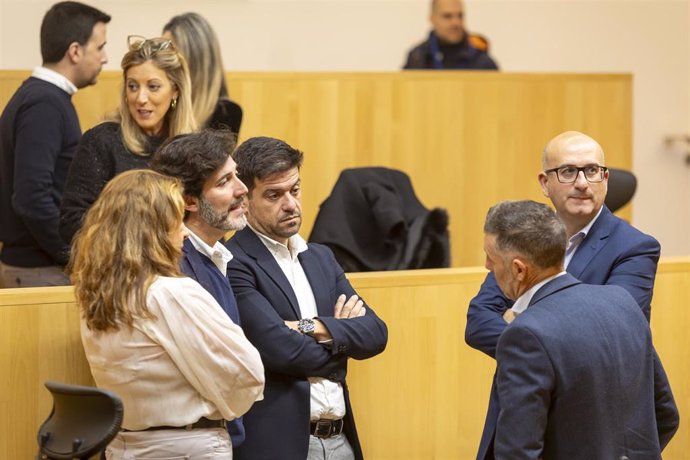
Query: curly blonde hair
<point x="124" y="244"/>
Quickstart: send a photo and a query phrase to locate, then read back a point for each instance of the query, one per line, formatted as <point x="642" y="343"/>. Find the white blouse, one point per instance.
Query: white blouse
<point x="190" y="362"/>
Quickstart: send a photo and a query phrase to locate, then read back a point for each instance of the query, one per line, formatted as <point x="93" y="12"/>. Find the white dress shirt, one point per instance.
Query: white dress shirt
<point x="219" y="254"/>
<point x="191" y="361"/>
<point x="57" y="79"/>
<point x="327" y="397"/>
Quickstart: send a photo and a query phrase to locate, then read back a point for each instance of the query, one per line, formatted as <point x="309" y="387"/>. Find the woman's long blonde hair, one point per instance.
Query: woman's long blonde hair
<point x="197" y="41"/>
<point x="124" y="244"/>
<point x="179" y="118"/>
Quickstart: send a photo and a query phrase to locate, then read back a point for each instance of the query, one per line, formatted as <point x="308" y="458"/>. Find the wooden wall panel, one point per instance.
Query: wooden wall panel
<point x="39" y="341"/>
<point x="467" y="139"/>
<point x="436" y="387"/>
<point x="425" y="397"/>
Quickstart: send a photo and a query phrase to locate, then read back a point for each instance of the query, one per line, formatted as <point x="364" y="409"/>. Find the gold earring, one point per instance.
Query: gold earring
<point x="173" y="104"/>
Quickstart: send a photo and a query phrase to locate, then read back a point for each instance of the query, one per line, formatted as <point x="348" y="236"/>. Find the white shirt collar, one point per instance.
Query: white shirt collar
<point x="296" y="244"/>
<point x="219" y="254"/>
<point x="523" y="301"/>
<point x="57" y="79"/>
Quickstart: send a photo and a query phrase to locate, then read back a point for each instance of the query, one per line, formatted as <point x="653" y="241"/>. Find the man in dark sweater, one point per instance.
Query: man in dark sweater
<point x="214" y="198"/>
<point x="39" y="132"/>
<point x="449" y="45"/>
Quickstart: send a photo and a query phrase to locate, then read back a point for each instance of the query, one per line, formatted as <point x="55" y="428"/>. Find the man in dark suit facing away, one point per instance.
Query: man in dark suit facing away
<point x="602" y="248"/>
<point x="578" y="376"/>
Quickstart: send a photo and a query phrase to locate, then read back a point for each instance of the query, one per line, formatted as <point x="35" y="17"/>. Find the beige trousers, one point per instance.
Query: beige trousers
<point x="178" y="444"/>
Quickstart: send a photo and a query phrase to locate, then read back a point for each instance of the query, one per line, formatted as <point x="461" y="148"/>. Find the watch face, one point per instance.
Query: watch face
<point x="306" y="326"/>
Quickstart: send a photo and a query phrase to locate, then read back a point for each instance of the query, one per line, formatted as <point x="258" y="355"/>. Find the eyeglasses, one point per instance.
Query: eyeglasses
<point x="137" y="42"/>
<point x="568" y="174"/>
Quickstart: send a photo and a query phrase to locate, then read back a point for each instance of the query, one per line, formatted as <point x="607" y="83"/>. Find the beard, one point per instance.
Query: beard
<point x="221" y="219"/>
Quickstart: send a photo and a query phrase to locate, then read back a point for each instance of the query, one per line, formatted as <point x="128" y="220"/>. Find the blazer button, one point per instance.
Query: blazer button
<point x="332" y="376"/>
<point x="342" y="348"/>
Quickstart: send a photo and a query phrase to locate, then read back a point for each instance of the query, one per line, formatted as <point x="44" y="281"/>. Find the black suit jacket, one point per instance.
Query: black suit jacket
<point x="278" y="427"/>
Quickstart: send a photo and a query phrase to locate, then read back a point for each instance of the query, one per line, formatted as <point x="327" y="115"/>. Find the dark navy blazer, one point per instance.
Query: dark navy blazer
<point x="192" y="265"/>
<point x="613" y="252"/>
<point x="278" y="427"/>
<point x="578" y="378"/>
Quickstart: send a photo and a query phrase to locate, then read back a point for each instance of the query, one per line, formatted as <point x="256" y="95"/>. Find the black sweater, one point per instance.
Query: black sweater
<point x="39" y="132"/>
<point x="101" y="156"/>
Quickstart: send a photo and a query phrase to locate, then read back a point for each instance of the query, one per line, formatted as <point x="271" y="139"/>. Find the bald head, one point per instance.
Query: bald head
<point x="570" y="143"/>
<point x="448" y="20"/>
<point x="578" y="202"/>
<point x="435" y="3"/>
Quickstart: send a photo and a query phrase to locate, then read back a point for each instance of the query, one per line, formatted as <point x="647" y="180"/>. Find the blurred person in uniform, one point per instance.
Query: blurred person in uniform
<point x="449" y="45"/>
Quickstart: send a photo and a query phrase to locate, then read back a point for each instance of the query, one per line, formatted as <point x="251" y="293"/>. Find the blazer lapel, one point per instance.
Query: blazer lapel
<point x="317" y="280"/>
<point x="596" y="239"/>
<point x="190" y="261"/>
<point x="255" y="249"/>
<point x="192" y="265"/>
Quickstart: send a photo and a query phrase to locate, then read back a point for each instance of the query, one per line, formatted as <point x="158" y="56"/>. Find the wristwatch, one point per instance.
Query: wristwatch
<point x="306" y="326"/>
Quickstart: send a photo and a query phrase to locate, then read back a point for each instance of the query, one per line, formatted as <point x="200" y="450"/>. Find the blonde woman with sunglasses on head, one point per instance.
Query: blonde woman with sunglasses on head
<point x="158" y="340"/>
<point x="155" y="105"/>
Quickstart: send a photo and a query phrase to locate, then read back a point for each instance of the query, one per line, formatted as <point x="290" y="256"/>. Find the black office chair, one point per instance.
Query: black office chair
<point x="83" y="421"/>
<point x="622" y="186"/>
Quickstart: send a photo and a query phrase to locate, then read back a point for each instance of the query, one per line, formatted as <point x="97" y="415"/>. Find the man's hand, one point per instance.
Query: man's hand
<point x="509" y="315"/>
<point x="321" y="333"/>
<point x="353" y="308"/>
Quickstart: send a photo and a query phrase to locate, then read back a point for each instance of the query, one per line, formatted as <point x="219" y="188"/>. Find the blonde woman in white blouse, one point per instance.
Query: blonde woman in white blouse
<point x="158" y="340"/>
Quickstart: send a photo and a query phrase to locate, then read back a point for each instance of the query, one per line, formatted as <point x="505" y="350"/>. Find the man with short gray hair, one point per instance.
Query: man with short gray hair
<point x="578" y="376"/>
<point x="601" y="248"/>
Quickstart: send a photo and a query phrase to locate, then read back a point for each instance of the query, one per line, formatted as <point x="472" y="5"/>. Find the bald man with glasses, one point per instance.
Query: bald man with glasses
<point x="602" y="249"/>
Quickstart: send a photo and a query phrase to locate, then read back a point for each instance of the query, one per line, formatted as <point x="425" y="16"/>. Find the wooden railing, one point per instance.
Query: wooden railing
<point x="425" y="397"/>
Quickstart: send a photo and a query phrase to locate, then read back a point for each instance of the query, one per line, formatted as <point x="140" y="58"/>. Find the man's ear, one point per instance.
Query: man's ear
<point x="74" y="52"/>
<point x="543" y="178"/>
<point x="519" y="269"/>
<point x="191" y="203"/>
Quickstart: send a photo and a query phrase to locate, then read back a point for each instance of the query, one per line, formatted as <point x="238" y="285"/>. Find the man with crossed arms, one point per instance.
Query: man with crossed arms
<point x="299" y="310"/>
